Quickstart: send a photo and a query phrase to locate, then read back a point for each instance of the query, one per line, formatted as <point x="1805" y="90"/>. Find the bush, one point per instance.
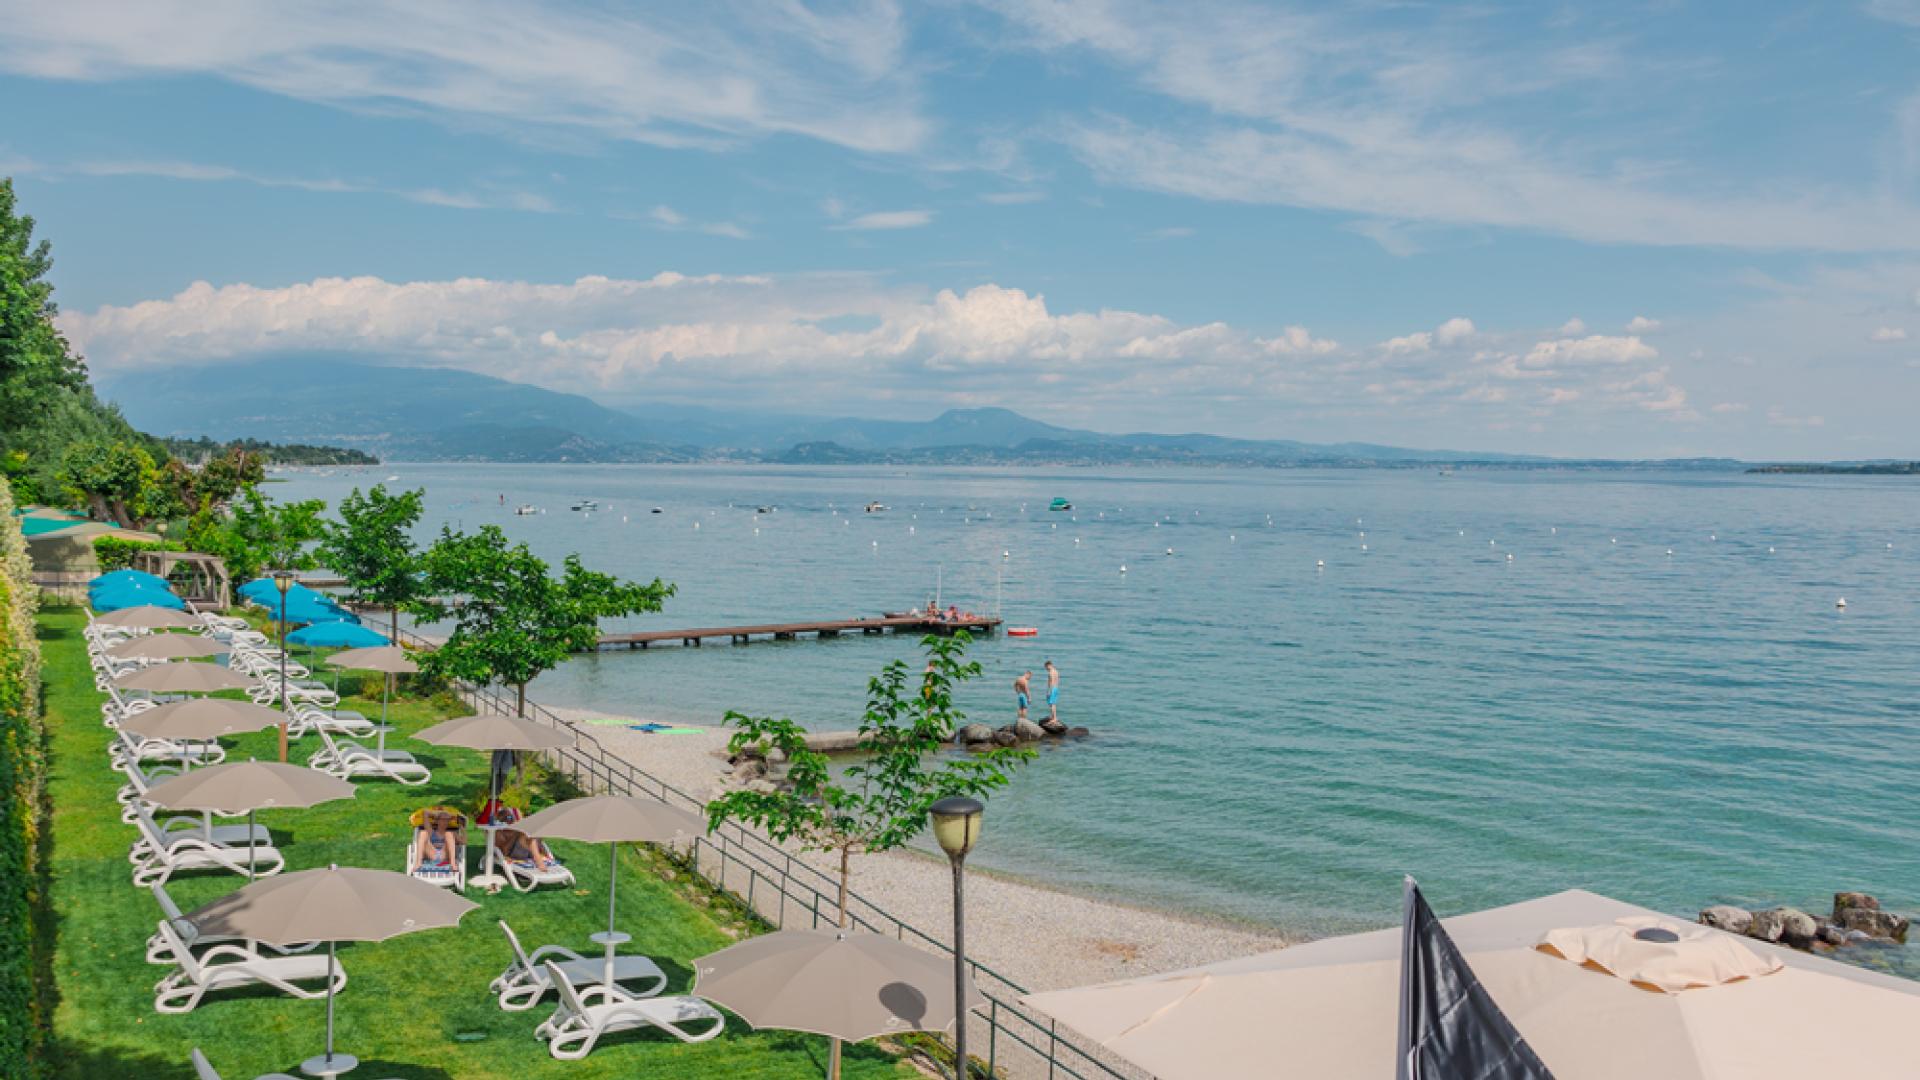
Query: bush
<point x="23" y="1014"/>
<point x="115" y="553"/>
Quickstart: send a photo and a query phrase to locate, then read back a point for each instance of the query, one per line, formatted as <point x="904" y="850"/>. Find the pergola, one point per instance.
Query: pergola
<point x="205" y="581"/>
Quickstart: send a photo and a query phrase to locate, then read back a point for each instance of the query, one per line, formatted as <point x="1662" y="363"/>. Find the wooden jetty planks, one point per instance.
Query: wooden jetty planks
<point x="788" y="631"/>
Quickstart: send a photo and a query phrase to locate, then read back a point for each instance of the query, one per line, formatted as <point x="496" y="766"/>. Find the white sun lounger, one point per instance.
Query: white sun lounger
<point x="224" y="967"/>
<point x="204" y="1070"/>
<point x="526" y="980"/>
<point x="235" y="836"/>
<point x="576" y="1026"/>
<point x="348" y="760"/>
<point x="164" y="855"/>
<point x="306" y="718"/>
<point x="160" y="948"/>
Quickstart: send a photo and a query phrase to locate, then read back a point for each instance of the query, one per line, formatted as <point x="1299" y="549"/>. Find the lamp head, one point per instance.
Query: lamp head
<point x="283" y="580"/>
<point x="956" y="824"/>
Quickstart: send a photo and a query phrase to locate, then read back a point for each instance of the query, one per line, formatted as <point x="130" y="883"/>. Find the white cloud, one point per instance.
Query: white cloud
<point x="1906" y="12"/>
<point x="672" y="75"/>
<point x="1453" y="331"/>
<point x="1887" y="335"/>
<point x="1640" y="324"/>
<point x="485" y="197"/>
<point x="1171" y="232"/>
<point x="1296" y="341"/>
<point x="668" y="216"/>
<point x="1573" y="327"/>
<point x="890" y="219"/>
<point x="1593" y="349"/>
<point x="1449" y="333"/>
<point x="1779" y="417"/>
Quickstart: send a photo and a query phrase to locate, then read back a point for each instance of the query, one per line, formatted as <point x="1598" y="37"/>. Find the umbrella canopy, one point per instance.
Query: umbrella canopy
<point x="1340" y="999"/>
<point x="126" y="577"/>
<point x="338" y="903"/>
<point x="493" y="731"/>
<point x="262" y="587"/>
<point x="184" y="677"/>
<point x="152" y="617"/>
<point x="846" y="985"/>
<point x="202" y="718"/>
<point x="334" y="635"/>
<point x="610" y="819"/>
<point x="391" y="659"/>
<point x="118" y="599"/>
<point x="314" y="612"/>
<point x="246" y="786"/>
<point x="167" y="647"/>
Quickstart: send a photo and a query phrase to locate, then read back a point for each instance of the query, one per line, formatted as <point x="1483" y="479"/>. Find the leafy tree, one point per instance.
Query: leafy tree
<point x="881" y="802"/>
<point x="513" y="620"/>
<point x="215" y="483"/>
<point x="373" y="548"/>
<point x="116" y="480"/>
<point x="259" y="534"/>
<point x="34" y="358"/>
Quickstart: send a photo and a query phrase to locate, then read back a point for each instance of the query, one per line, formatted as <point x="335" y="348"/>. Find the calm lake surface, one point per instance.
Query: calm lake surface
<point x="1656" y="697"/>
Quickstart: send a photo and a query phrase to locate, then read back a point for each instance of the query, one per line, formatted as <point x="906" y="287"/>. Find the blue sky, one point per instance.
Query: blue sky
<point x="1625" y="229"/>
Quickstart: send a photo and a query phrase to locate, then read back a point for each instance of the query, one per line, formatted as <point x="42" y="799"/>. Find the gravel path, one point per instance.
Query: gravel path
<point x="1038" y="937"/>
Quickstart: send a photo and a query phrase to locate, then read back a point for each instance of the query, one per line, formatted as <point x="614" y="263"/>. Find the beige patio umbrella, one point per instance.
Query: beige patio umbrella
<point x="151" y="617"/>
<point x="184" y="677"/>
<point x="843" y="984"/>
<point x="389" y="659"/>
<point x="493" y="731"/>
<point x="247" y="786"/>
<point x="339" y="903"/>
<point x="200" y="720"/>
<point x="1330" y="1008"/>
<point x="167" y="647"/>
<point x="612" y="820"/>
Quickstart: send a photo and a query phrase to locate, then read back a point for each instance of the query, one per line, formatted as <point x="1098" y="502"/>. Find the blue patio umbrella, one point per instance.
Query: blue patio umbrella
<point x="264" y="591"/>
<point x="336" y="635"/>
<point x="115" y="599"/>
<point x="313" y="612"/>
<point x="126" y="577"/>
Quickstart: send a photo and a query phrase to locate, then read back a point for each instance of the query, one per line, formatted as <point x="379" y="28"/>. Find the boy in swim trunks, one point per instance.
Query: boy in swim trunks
<point x="1053" y="693"/>
<point x="1020" y="686"/>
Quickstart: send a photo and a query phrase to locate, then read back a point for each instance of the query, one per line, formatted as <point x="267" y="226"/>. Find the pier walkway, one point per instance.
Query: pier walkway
<point x="979" y="626"/>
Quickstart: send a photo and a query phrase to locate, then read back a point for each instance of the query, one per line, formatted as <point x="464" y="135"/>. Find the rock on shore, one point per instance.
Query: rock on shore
<point x="1857" y="918"/>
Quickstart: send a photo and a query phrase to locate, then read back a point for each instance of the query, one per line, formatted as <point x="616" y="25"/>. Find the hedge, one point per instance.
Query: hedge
<point x="115" y="553"/>
<point x="23" y="1015"/>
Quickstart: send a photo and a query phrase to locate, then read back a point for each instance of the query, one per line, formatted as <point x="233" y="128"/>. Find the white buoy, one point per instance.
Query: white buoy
<point x="1554" y="530"/>
<point x="1076" y="539"/>
<point x="1123" y="568"/>
<point x="1713" y="536"/>
<point x="1156" y="524"/>
<point x="909" y="530"/>
<point x="1669" y="552"/>
<point x="1169" y="551"/>
<point x="1889" y="546"/>
<point x="876" y="543"/>
<point x="1463" y="532"/>
<point x="1509" y="556"/>
<point x="1231" y="538"/>
<point x="1363" y="534"/>
<point x="1769" y="551"/>
<point x="1616" y="539"/>
<point x="1363" y="547"/>
<point x="1006" y="554"/>
<point x="1842" y="602"/>
<point x="756" y="532"/>
<point x="696" y="524"/>
<point x="623" y="519"/>
<point x="1490" y="543"/>
<point x="1050" y="525"/>
<point x="1319" y="564"/>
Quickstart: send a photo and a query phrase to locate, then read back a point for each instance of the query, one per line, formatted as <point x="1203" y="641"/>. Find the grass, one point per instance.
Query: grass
<point x="416" y="1006"/>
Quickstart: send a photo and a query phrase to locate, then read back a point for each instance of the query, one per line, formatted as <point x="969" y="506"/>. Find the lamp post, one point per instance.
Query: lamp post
<point x="956" y="825"/>
<point x="283" y="580"/>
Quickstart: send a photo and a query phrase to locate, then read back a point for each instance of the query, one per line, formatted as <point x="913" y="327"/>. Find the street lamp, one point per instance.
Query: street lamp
<point x="956" y="825"/>
<point x="283" y="580"/>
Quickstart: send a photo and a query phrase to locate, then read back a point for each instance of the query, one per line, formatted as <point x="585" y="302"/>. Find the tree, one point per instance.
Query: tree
<point x="373" y="550"/>
<point x="34" y="359"/>
<point x="512" y="619"/>
<point x="882" y="802"/>
<point x="259" y="534"/>
<point x="115" y="480"/>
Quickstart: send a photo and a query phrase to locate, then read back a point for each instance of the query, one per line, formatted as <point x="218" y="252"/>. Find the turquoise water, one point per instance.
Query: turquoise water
<point x="1278" y="742"/>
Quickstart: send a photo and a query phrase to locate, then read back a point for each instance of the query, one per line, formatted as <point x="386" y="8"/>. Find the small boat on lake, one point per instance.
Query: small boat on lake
<point x="586" y="505"/>
<point x="527" y="510"/>
<point x="877" y="506"/>
<point x="1059" y="504"/>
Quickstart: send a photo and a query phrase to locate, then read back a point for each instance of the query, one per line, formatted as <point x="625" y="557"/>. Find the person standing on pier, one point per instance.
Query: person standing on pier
<point x="1053" y="693"/>
<point x="1020" y="686"/>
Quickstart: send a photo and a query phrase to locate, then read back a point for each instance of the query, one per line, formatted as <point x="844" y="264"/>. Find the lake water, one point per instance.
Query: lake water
<point x="1656" y="697"/>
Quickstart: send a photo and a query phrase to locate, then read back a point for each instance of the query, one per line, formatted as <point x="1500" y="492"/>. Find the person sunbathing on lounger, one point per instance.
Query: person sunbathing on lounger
<point x="436" y="842"/>
<point x="518" y="846"/>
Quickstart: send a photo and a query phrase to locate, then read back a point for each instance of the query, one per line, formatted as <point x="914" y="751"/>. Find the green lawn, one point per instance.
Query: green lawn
<point x="414" y="1007"/>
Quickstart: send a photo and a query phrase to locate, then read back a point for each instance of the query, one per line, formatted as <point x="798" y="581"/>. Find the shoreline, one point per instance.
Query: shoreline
<point x="1037" y="934"/>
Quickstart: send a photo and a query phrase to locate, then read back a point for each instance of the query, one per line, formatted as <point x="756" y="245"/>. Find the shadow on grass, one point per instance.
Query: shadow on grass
<point x="72" y="1061"/>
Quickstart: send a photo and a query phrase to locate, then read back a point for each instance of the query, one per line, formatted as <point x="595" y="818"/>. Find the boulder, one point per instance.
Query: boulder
<point x="1053" y="727"/>
<point x="1768" y="925"/>
<point x="1873" y="922"/>
<point x="1029" y="731"/>
<point x="973" y="733"/>
<point x="1006" y="737"/>
<point x="1833" y="935"/>
<point x="1844" y="900"/>
<point x="750" y="768"/>
<point x="1798" y="929"/>
<point x="1727" y="917"/>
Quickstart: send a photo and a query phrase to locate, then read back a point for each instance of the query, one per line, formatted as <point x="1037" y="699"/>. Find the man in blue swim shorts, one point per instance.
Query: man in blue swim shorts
<point x="1020" y="686"/>
<point x="1053" y="693"/>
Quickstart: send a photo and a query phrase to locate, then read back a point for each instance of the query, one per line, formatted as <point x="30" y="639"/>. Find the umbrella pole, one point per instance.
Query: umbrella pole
<point x="329" y="1002"/>
<point x="613" y="880"/>
<point x="249" y="845"/>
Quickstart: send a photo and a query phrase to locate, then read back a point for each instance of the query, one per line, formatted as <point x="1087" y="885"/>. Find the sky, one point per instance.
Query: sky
<point x="1625" y="229"/>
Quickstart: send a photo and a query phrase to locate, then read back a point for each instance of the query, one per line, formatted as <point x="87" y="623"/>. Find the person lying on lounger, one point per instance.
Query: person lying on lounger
<point x="518" y="846"/>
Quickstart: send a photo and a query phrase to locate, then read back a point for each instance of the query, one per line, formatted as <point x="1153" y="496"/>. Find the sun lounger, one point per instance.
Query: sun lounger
<point x="127" y="748"/>
<point x="576" y="1026"/>
<point x="156" y="856"/>
<point x="527" y="980"/>
<point x="349" y="760"/>
<point x="224" y="967"/>
<point x="139" y="780"/>
<point x="451" y="875"/>
<point x="160" y="947"/>
<point x="306" y="718"/>
<point x="194" y="825"/>
<point x="204" y="1070"/>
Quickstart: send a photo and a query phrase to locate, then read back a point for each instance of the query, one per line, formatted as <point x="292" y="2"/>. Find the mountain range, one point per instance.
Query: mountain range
<point x="442" y="414"/>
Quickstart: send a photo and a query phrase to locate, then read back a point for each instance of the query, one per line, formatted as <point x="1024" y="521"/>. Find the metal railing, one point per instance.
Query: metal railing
<point x="780" y="886"/>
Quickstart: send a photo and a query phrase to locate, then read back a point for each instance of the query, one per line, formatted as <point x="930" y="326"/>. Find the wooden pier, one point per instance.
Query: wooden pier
<point x="979" y="626"/>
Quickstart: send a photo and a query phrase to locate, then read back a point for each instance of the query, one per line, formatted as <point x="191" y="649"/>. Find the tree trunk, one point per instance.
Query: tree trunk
<point x="520" y="700"/>
<point x="393" y="623"/>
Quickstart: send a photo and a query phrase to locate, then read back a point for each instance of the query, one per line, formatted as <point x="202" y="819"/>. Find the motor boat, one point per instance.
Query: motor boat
<point x="876" y="507"/>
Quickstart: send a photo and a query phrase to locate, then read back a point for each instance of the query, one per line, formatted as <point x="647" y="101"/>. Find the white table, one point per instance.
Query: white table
<point x="612" y="939"/>
<point x="322" y="1065"/>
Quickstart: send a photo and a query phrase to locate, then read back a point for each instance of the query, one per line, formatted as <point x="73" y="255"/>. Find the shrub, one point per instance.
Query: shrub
<point x="116" y="553"/>
<point x="22" y="809"/>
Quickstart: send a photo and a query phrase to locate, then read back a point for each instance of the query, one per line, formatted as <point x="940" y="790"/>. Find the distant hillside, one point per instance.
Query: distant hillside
<point x="436" y="414"/>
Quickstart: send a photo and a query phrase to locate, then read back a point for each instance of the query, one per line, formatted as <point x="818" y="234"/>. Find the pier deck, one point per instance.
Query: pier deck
<point x="823" y="628"/>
